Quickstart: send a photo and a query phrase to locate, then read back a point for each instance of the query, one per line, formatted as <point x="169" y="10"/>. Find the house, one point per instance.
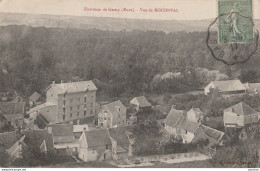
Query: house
<point x="240" y="115"/>
<point x="226" y="87"/>
<point x="11" y="142"/>
<point x="39" y="138"/>
<point x="34" y="98"/>
<point x="69" y="102"/>
<point x="95" y="145"/>
<point x="183" y="127"/>
<point x="12" y="114"/>
<point x="195" y="115"/>
<point x="252" y="88"/>
<point x="112" y="115"/>
<point x="173" y="121"/>
<point x="122" y="142"/>
<point x="140" y="103"/>
<point x="63" y="138"/>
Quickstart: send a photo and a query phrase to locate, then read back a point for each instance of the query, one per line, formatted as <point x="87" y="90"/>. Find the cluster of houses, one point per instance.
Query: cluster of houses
<point x="71" y="122"/>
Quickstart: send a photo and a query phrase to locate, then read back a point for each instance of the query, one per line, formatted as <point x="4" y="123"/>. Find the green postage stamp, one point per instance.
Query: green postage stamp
<point x="235" y="21"/>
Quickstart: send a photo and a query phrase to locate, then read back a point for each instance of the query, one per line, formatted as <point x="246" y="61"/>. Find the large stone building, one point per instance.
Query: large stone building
<point x="68" y="102"/>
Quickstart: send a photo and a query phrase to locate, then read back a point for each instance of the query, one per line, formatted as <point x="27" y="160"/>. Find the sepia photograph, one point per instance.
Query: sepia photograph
<point x="129" y="84"/>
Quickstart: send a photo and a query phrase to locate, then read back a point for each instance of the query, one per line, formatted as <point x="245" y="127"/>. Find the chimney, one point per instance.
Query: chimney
<point x="49" y="129"/>
<point x="53" y="82"/>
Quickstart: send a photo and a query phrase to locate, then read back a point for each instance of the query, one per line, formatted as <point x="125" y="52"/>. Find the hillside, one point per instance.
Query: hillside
<point x="103" y="23"/>
<point x="118" y="61"/>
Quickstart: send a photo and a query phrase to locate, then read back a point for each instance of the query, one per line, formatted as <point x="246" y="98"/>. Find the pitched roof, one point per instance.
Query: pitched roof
<point x="175" y="117"/>
<point x="8" y="139"/>
<point x="229" y="85"/>
<point x="34" y="97"/>
<point x="39" y="107"/>
<point x="36" y="137"/>
<point x="242" y="109"/>
<point x="73" y="87"/>
<point x="212" y="133"/>
<point x="62" y="129"/>
<point x="120" y="135"/>
<point x="12" y="107"/>
<point x="96" y="138"/>
<point x="142" y="101"/>
<point x="190" y="126"/>
<point x="114" y="105"/>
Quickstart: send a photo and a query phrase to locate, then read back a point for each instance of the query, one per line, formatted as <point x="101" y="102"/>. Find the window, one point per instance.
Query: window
<point x="71" y="100"/>
<point x="63" y="117"/>
<point x="107" y="146"/>
<point x="79" y="99"/>
<point x="78" y="106"/>
<point x="51" y="95"/>
<point x="123" y="121"/>
<point x="77" y="113"/>
<point x="90" y="111"/>
<point x="85" y="113"/>
<point x="71" y="115"/>
<point x="186" y="132"/>
<point x="64" y="102"/>
<point x="70" y="108"/>
<point x="85" y="99"/>
<point x="64" y="109"/>
<point x="85" y="105"/>
<point x="91" y="104"/>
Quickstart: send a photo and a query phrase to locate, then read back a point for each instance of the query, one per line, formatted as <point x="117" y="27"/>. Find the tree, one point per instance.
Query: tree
<point x="4" y="158"/>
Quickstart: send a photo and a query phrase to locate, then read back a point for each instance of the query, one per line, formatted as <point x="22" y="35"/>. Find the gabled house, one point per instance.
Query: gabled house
<point x="95" y="145"/>
<point x="195" y="115"/>
<point x="174" y="120"/>
<point x="34" y="98"/>
<point x="112" y="115"/>
<point x="188" y="130"/>
<point x="240" y="115"/>
<point x="11" y="142"/>
<point x="12" y="114"/>
<point x="226" y="87"/>
<point x="140" y="103"/>
<point x="39" y="138"/>
<point x="122" y="141"/>
<point x="63" y="138"/>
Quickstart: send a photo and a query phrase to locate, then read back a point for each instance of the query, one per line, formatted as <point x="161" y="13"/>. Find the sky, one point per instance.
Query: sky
<point x="187" y="9"/>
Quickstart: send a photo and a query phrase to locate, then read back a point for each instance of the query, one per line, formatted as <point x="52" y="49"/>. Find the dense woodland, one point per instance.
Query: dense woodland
<point x="118" y="61"/>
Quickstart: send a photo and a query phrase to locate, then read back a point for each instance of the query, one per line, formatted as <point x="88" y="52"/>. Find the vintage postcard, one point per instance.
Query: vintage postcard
<point x="129" y="84"/>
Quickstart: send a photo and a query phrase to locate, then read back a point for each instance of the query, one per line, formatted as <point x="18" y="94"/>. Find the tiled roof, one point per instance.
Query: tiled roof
<point x="142" y="101"/>
<point x="73" y="87"/>
<point x="241" y="109"/>
<point x="34" y="97"/>
<point x="80" y="128"/>
<point x="229" y="85"/>
<point x="62" y="129"/>
<point x="120" y="135"/>
<point x="36" y="137"/>
<point x="8" y="139"/>
<point x="213" y="133"/>
<point x="39" y="107"/>
<point x="113" y="106"/>
<point x="190" y="126"/>
<point x="97" y="138"/>
<point x="12" y="107"/>
<point x="175" y="117"/>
